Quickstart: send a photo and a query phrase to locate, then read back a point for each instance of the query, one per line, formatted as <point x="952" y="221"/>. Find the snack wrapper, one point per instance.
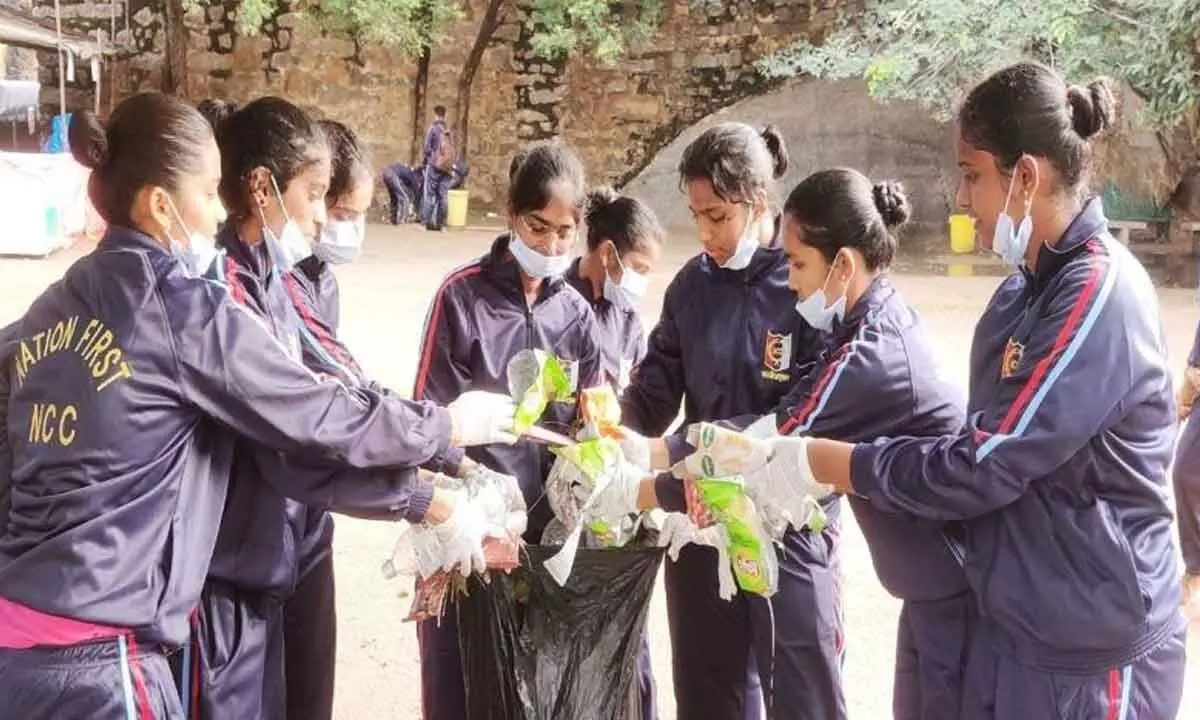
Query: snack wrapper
<point x="535" y="379"/>
<point x="751" y="552"/>
<point x="722" y="452"/>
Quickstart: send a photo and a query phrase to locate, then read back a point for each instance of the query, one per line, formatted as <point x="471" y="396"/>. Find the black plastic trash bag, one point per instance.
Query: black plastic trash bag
<point x="532" y="650"/>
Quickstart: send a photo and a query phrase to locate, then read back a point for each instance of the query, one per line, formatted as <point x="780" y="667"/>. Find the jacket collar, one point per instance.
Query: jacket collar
<point x="1088" y="224"/>
<point x="874" y="297"/>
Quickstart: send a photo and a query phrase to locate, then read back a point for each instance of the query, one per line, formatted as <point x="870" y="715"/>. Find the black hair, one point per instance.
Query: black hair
<point x="349" y="159"/>
<point x="439" y="110"/>
<point x="270" y="133"/>
<point x="216" y="112"/>
<point x="545" y="168"/>
<point x="515" y="164"/>
<point x="1027" y="109"/>
<point x="738" y="160"/>
<point x="841" y="208"/>
<point x="151" y="140"/>
<point x="628" y="222"/>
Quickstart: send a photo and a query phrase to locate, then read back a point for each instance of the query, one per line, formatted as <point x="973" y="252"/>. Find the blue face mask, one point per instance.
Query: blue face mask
<point x="814" y="311"/>
<point x="1010" y="241"/>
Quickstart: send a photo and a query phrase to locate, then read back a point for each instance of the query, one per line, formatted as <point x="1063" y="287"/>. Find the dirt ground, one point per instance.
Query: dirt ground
<point x="385" y="297"/>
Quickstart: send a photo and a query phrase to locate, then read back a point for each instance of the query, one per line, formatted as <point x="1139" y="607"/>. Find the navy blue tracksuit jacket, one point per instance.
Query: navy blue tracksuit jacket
<point x="478" y="320"/>
<point x="1059" y="479"/>
<point x="730" y="343"/>
<point x="128" y="384"/>
<point x="879" y="377"/>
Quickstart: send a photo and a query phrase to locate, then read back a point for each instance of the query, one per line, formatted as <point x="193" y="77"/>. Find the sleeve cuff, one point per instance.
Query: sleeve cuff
<point x="418" y="502"/>
<point x="677" y="448"/>
<point x="864" y="480"/>
<point x="668" y="490"/>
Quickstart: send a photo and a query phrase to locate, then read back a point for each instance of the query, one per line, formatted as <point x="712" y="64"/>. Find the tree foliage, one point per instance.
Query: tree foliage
<point x="602" y="27"/>
<point x="931" y="50"/>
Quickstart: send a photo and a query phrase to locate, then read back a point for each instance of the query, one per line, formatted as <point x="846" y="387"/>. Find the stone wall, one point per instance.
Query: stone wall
<point x="700" y="60"/>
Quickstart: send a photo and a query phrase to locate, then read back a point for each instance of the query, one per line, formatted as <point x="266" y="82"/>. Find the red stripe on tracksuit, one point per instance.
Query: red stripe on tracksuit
<point x="1114" y="694"/>
<point x="139" y="679"/>
<point x="315" y="327"/>
<point x="232" y="282"/>
<point x="801" y="416"/>
<point x="1060" y="342"/>
<point x="435" y="312"/>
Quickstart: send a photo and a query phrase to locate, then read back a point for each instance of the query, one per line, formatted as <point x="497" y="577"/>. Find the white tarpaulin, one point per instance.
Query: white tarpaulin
<point x="43" y="199"/>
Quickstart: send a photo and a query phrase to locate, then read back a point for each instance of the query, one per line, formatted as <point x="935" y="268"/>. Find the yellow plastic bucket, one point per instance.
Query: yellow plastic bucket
<point x="962" y="233"/>
<point x="456" y="208"/>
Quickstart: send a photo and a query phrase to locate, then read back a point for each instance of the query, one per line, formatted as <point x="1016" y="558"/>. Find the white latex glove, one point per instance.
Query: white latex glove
<point x="1191" y="597"/>
<point x="722" y="452"/>
<point x="679" y="530"/>
<point x="460" y="538"/>
<point x="482" y="418"/>
<point x="511" y="513"/>
<point x="784" y="489"/>
<point x="616" y="492"/>
<point x="636" y="448"/>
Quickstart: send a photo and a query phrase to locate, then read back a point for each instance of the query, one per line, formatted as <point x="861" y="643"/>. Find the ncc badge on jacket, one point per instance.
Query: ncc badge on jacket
<point x="1013" y="352"/>
<point x="777" y="356"/>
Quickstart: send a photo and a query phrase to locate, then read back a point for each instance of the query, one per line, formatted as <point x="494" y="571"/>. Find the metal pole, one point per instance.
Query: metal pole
<point x="62" y="79"/>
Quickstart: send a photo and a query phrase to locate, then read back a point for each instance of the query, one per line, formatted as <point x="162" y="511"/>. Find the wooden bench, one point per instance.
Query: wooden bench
<point x="1122" y="228"/>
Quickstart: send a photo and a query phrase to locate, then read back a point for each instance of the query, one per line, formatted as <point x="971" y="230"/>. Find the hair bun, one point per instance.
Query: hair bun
<point x="778" y="149"/>
<point x="1092" y="108"/>
<point x="88" y="140"/>
<point x="599" y="197"/>
<point x="892" y="203"/>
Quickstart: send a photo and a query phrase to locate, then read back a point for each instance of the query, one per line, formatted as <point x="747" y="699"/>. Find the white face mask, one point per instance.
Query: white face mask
<point x="747" y="244"/>
<point x="201" y="250"/>
<point x="535" y="264"/>
<point x="1009" y="240"/>
<point x="630" y="291"/>
<point x="290" y="246"/>
<point x="341" y="241"/>
<point x="814" y="311"/>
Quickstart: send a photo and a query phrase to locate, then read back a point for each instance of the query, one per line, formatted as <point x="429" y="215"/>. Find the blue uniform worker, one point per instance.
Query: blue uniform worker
<point x="511" y="300"/>
<point x="436" y="182"/>
<point x="405" y="187"/>
<point x="624" y="243"/>
<point x="879" y="377"/>
<point x="729" y="343"/>
<point x="479" y="320"/>
<point x="1059" y="477"/>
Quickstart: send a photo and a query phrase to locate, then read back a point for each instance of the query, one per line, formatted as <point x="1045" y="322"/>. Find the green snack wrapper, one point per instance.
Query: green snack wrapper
<point x="535" y="379"/>
<point x="592" y="457"/>
<point x="750" y="551"/>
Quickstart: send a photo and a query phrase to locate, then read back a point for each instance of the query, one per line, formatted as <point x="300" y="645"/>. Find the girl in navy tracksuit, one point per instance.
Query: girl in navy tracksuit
<point x="1059" y="477"/>
<point x="624" y="243"/>
<point x="879" y="377"/>
<point x="512" y="299"/>
<point x="729" y="343"/>
<point x="125" y="388"/>
<point x="276" y="170"/>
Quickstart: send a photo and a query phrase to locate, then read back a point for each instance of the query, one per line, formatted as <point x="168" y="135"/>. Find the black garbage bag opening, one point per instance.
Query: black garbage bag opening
<point x="532" y="650"/>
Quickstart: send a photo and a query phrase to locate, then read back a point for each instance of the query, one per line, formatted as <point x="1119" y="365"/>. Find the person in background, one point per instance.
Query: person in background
<point x="730" y="343"/>
<point x="438" y="161"/>
<point x="484" y="314"/>
<point x="1059" y="477"/>
<point x="404" y="187"/>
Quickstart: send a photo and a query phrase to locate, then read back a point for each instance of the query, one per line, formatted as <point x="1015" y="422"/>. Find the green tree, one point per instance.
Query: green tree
<point x="930" y="51"/>
<point x="603" y="28"/>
